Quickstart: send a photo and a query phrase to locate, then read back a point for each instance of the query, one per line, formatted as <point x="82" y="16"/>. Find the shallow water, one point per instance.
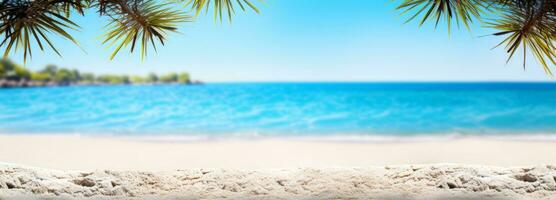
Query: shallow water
<point x="283" y="109"/>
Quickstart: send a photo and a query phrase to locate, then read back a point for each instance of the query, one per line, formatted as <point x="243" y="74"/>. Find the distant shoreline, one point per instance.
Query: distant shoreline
<point x="34" y="84"/>
<point x="15" y="76"/>
<point x="390" y="84"/>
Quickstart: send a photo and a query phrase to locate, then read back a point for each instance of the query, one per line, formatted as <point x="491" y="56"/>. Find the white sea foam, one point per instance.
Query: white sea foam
<point x="350" y="138"/>
<point x="339" y="137"/>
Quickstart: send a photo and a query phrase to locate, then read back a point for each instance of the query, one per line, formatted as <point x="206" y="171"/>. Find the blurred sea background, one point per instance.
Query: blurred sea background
<point x="314" y="110"/>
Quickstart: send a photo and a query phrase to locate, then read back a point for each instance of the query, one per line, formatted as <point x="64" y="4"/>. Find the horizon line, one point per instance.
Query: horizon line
<point x="386" y="81"/>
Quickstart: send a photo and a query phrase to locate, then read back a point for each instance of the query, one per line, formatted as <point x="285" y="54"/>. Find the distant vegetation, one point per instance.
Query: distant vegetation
<point x="13" y="75"/>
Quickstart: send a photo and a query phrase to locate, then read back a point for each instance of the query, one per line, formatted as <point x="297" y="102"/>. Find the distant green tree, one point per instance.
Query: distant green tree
<point x="152" y="78"/>
<point x="88" y="77"/>
<point x="64" y="76"/>
<point x="137" y="79"/>
<point x="6" y="68"/>
<point x="103" y="79"/>
<point x="113" y="79"/>
<point x="50" y="70"/>
<point x="184" y="78"/>
<point x="41" y="77"/>
<point x="22" y="73"/>
<point x="125" y="79"/>
<point x="75" y="75"/>
<point x="169" y="78"/>
<point x="12" y="71"/>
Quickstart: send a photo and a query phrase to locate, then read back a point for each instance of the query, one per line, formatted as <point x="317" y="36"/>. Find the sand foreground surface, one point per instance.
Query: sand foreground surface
<point x="76" y="167"/>
<point x="91" y="153"/>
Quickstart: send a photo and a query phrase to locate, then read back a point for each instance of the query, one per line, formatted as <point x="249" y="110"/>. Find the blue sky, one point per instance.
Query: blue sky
<point x="305" y="40"/>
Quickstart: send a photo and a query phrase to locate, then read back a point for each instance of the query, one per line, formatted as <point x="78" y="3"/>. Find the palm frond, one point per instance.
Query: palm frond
<point x="27" y="24"/>
<point x="528" y="26"/>
<point x="145" y="23"/>
<point x="23" y="22"/>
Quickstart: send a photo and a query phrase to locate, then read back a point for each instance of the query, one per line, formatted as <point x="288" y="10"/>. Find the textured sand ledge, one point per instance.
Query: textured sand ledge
<point x="396" y="182"/>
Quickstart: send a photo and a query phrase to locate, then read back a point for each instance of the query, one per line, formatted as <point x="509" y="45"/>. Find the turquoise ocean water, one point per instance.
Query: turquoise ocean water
<point x="284" y="109"/>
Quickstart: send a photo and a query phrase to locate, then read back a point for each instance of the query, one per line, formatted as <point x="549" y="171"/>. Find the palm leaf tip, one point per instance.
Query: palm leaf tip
<point x="452" y="11"/>
<point x="221" y="8"/>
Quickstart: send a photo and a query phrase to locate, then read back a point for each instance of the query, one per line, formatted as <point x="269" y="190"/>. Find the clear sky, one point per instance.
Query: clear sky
<point x="306" y="40"/>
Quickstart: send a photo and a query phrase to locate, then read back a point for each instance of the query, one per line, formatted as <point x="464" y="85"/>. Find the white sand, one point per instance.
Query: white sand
<point x="87" y="153"/>
<point x="271" y="169"/>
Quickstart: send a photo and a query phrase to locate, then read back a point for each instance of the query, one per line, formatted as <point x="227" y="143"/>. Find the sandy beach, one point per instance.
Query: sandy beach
<point x="92" y="153"/>
<point x="79" y="167"/>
